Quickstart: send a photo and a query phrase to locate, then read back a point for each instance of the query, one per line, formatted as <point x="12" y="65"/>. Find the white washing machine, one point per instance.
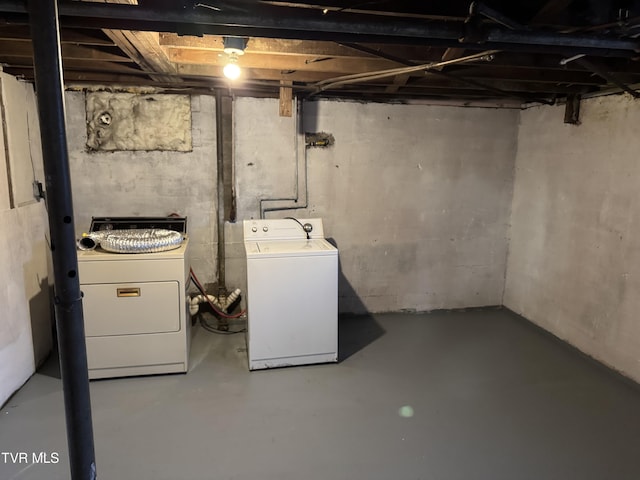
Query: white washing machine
<point x="292" y="293"/>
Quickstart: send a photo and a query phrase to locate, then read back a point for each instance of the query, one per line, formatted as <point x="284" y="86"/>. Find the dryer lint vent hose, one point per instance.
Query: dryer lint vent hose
<point x="149" y="240"/>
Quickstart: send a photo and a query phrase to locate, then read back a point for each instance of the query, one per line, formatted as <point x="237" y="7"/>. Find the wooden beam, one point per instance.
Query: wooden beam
<point x="11" y="48"/>
<point x="447" y="90"/>
<point x="434" y="82"/>
<point x="77" y="65"/>
<point x="572" y="109"/>
<point x="20" y="32"/>
<point x="360" y="91"/>
<point x="143" y="49"/>
<point x="398" y="81"/>
<point x="108" y="67"/>
<point x="297" y="47"/>
<point x="185" y="70"/>
<point x="528" y="61"/>
<point x="259" y="45"/>
<point x="309" y="63"/>
<point x="420" y="54"/>
<point x="105" y="78"/>
<point x="452" y="54"/>
<point x="528" y="75"/>
<point x="286" y="98"/>
<point x="536" y="81"/>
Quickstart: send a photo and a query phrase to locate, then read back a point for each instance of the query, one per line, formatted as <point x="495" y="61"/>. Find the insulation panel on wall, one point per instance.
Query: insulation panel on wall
<point x="128" y="121"/>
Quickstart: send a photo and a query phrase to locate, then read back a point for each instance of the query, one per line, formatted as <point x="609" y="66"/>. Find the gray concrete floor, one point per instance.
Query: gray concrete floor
<point x="485" y="394"/>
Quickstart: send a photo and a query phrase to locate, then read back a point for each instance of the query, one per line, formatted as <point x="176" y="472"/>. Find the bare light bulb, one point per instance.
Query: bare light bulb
<point x="233" y="47"/>
<point x="231" y="70"/>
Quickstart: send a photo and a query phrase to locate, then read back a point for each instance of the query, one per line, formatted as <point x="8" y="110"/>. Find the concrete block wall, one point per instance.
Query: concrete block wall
<point x="574" y="251"/>
<point x="150" y="183"/>
<point x="25" y="320"/>
<point x="416" y="197"/>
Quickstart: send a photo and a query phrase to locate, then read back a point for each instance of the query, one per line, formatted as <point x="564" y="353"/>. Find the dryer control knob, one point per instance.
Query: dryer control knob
<point x="265" y="229"/>
<point x="254" y="229"/>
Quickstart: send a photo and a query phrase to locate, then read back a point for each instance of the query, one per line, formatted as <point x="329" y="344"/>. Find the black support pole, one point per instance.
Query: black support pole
<point x="43" y="19"/>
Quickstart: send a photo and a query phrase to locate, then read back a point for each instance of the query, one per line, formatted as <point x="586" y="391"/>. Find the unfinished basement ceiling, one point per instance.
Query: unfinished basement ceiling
<point x="534" y="50"/>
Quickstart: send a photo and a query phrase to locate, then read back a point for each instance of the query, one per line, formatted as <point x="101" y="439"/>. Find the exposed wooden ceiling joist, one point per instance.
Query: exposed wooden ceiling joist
<point x="262" y="20"/>
<point x="69" y="51"/>
<point x="142" y="48"/>
<point x="180" y="45"/>
<point x="76" y="65"/>
<point x="80" y="36"/>
<point x="315" y="63"/>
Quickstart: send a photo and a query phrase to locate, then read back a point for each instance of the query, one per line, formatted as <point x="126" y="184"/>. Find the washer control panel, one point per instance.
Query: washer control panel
<point x="283" y="229"/>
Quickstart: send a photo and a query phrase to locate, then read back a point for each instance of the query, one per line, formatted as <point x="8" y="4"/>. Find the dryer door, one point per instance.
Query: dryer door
<point x="131" y="308"/>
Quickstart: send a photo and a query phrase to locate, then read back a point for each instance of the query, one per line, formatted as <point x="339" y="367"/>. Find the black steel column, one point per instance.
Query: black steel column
<point x="43" y="19"/>
<point x="220" y="131"/>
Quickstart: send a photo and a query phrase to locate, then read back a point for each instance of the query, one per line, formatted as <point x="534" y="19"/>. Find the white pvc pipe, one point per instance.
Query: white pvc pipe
<point x="194" y="302"/>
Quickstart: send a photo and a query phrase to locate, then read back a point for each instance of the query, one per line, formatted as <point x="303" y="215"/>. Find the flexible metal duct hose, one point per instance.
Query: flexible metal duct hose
<point x="132" y="241"/>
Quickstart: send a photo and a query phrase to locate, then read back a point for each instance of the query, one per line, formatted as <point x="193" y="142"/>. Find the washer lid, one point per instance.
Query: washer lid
<point x="295" y="248"/>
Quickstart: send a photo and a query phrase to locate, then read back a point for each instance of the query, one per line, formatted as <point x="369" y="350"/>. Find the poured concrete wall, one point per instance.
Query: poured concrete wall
<point x="416" y="197"/>
<point x="574" y="252"/>
<point x="25" y="319"/>
<point x="149" y="183"/>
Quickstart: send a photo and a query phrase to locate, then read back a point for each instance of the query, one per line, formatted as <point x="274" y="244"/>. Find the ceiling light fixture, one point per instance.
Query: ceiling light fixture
<point x="232" y="70"/>
<point x="233" y="47"/>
